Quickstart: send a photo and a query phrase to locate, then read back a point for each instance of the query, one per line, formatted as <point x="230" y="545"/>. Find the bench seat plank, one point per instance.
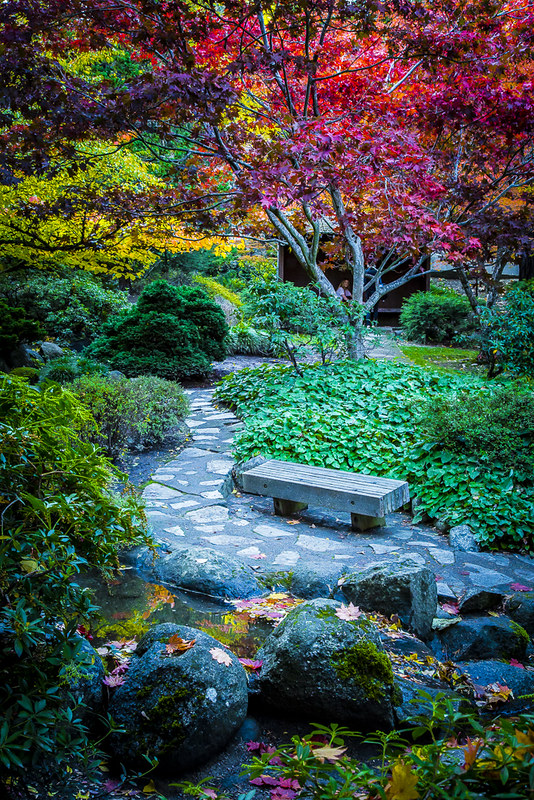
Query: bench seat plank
<point x="368" y="495"/>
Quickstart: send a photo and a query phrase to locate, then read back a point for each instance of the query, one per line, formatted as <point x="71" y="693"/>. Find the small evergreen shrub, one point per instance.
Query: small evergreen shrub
<point x="173" y="332"/>
<point x="135" y="412"/>
<point x="71" y="306"/>
<point x="58" y="517"/>
<point x="15" y="328"/>
<point x="439" y="315"/>
<point x="509" y="331"/>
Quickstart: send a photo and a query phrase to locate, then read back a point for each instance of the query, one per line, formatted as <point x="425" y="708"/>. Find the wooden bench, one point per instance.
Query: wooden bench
<point x="295" y="486"/>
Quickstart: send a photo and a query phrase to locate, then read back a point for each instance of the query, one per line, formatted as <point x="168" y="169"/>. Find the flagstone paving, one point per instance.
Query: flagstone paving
<point x="190" y="501"/>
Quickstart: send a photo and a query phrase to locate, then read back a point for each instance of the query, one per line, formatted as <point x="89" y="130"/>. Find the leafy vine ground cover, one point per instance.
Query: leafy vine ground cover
<point x="366" y="417"/>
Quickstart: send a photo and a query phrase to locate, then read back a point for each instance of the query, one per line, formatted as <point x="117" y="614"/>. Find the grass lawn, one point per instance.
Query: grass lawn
<point x="444" y="358"/>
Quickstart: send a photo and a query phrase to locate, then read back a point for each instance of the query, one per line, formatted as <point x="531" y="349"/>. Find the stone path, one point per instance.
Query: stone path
<point x="190" y="501"/>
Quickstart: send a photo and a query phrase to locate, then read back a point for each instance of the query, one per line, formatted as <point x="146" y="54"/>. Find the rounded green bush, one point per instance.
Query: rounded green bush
<point x="439" y="315"/>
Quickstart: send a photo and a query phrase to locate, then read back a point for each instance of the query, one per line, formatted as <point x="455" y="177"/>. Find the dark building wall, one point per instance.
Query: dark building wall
<point x="389" y="306"/>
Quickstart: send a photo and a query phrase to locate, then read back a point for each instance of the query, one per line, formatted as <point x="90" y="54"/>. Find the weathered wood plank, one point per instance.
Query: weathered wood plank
<point x="368" y="495"/>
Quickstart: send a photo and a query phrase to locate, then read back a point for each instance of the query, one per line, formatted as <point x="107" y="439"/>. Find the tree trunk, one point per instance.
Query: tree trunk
<point x="468" y="289"/>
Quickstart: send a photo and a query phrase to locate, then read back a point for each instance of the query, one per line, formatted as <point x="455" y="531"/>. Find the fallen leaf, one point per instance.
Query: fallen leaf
<point x="149" y="788"/>
<point x="250" y="664"/>
<point x="293" y="521"/>
<point x="327" y="753"/>
<point x="515" y="663"/>
<point x="349" y="612"/>
<point x="402" y="783"/>
<point x="518" y="587"/>
<point x="221" y="656"/>
<point x="178" y="645"/>
<point x="451" y="608"/>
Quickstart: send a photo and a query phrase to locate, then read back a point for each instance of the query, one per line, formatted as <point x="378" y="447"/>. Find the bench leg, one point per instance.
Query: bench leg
<point x="362" y="523"/>
<point x="284" y="508"/>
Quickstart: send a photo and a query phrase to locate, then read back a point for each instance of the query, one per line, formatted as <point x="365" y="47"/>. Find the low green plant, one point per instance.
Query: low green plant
<point x="508" y="332"/>
<point x="451" y="358"/>
<point x="365" y="417"/>
<point x="215" y="288"/>
<point x="130" y="413"/>
<point x="243" y="339"/>
<point x="67" y="368"/>
<point x="16" y="328"/>
<point x="439" y="315"/>
<point x="70" y="306"/>
<point x="58" y="516"/>
<point x="173" y="332"/>
<point x="30" y="373"/>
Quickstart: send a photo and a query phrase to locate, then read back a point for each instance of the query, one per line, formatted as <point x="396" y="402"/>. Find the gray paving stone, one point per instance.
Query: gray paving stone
<point x="212" y="495"/>
<point x="314" y="543"/>
<point x="443" y="556"/>
<point x="185" y="504"/>
<point x="270" y="532"/>
<point x="219" y="466"/>
<point x="224" y="539"/>
<point x="211" y="483"/>
<point x="251" y="552"/>
<point x="175" y="530"/>
<point x="209" y="514"/>
<point x="156" y="491"/>
<point x="382" y="549"/>
<point x="287" y="558"/>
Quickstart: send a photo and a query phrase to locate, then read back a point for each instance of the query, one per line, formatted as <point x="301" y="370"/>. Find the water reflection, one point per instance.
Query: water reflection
<point x="129" y="606"/>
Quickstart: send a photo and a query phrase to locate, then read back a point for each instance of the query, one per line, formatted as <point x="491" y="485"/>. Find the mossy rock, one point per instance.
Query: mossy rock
<point x="317" y="666"/>
<point x="480" y="637"/>
<point x="181" y="708"/>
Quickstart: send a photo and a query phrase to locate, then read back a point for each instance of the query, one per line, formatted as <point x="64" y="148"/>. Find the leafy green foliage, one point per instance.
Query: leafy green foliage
<point x="173" y="332"/>
<point x="283" y="309"/>
<point x="58" y="517"/>
<point x="439" y="315"/>
<point x="508" y="336"/>
<point x="452" y="358"/>
<point x="246" y="340"/>
<point x="70" y="306"/>
<point x="15" y="328"/>
<point x="135" y="412"/>
<point x="30" y="373"/>
<point x="69" y="367"/>
<point x="365" y="417"/>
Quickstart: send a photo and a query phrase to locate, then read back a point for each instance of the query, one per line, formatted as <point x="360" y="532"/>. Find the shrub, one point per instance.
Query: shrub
<point x="509" y="331"/>
<point x="71" y="306"/>
<point x="135" y="412"/>
<point x="61" y="518"/>
<point x="69" y="367"/>
<point x="173" y="332"/>
<point x="246" y="340"/>
<point x="15" y="328"/>
<point x="439" y="315"/>
<point x="214" y="289"/>
<point x="30" y="373"/>
<point x="364" y="417"/>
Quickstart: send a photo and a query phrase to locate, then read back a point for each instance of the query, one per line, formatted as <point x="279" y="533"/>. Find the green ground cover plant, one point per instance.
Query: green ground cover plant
<point x="58" y="516"/>
<point x="130" y="412"/>
<point x="373" y="417"/>
<point x="448" y="358"/>
<point x="446" y="754"/>
<point x="70" y="366"/>
<point x="508" y="332"/>
<point x="173" y="332"/>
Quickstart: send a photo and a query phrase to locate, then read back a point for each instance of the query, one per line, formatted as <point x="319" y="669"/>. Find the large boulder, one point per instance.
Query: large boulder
<point x="484" y="638"/>
<point x="479" y="600"/>
<point x="181" y="708"/>
<point x="520" y="607"/>
<point x="405" y="589"/>
<point x="518" y="679"/>
<point x="85" y="680"/>
<point x="319" y="667"/>
<point x="204" y="570"/>
<point x="51" y="350"/>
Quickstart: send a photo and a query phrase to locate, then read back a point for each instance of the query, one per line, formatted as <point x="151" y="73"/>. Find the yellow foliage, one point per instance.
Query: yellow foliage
<point x="215" y="288"/>
<point x="402" y="783"/>
<point x="79" y="237"/>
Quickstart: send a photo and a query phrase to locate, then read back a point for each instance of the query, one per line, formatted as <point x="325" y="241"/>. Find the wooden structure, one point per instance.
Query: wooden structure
<point x="295" y="486"/>
<point x="389" y="306"/>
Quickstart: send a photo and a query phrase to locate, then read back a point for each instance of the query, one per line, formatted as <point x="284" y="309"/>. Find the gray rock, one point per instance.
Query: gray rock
<point x="405" y="589"/>
<point x="520" y="607"/>
<point x="520" y="681"/>
<point x="480" y="600"/>
<point x="319" y="667"/>
<point x="461" y="537"/>
<point x="409" y="701"/>
<point x="203" y="570"/>
<point x="115" y="375"/>
<point x="24" y="356"/>
<point x="243" y="466"/>
<point x="309" y="584"/>
<point x="484" y="638"/>
<point x="442" y="525"/>
<point x="51" y="350"/>
<point x="180" y="708"/>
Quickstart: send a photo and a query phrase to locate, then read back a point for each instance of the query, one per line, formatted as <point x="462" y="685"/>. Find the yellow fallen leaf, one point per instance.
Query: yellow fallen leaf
<point x="402" y="783"/>
<point x="149" y="788"/>
<point x="327" y="753"/>
<point x="29" y="565"/>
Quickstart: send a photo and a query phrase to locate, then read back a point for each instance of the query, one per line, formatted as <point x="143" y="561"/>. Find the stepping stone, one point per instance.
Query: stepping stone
<point x="416" y="558"/>
<point x="156" y="514"/>
<point x="212" y="495"/>
<point x="175" y="530"/>
<point x="209" y="514"/>
<point x="225" y="540"/>
<point x="443" y="556"/>
<point x="342" y="558"/>
<point x="219" y="466"/>
<point x="270" y="532"/>
<point x="216" y="527"/>
<point x="185" y="504"/>
<point x="196" y="452"/>
<point x="163" y="476"/>
<point x="382" y="549"/>
<point x="211" y="483"/>
<point x="287" y="558"/>
<point x="156" y="491"/>
<point x="239" y="522"/>
<point x="194" y="423"/>
<point x="314" y="543"/>
<point x="251" y="552"/>
<point x="423" y="544"/>
<point x="204" y="438"/>
<point x="192" y="472"/>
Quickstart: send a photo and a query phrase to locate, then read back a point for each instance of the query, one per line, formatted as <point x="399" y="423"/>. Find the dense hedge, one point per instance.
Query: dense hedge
<point x="402" y="422"/>
<point x="439" y="315"/>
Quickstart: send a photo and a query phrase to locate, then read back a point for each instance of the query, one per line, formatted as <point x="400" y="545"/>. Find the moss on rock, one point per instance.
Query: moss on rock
<point x="364" y="665"/>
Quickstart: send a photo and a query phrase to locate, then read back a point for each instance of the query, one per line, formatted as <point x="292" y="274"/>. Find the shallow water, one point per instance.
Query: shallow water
<point x="129" y="606"/>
